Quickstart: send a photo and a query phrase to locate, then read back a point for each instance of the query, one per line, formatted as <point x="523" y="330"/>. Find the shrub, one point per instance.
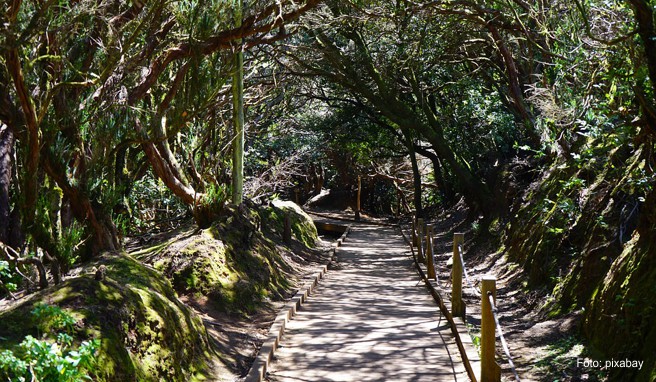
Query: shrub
<point x="52" y="358"/>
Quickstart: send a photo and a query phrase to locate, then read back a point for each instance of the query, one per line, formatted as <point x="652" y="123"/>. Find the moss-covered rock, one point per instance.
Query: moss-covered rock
<point x="303" y="228"/>
<point x="146" y="333"/>
<point x="196" y="264"/>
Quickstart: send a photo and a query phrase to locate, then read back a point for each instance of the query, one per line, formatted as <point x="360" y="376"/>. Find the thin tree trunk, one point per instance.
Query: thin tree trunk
<point x="33" y="141"/>
<point x="14" y="259"/>
<point x="416" y="175"/>
<point x="515" y="86"/>
<point x="11" y="117"/>
<point x="475" y="191"/>
<point x="6" y="163"/>
<point x="238" y="116"/>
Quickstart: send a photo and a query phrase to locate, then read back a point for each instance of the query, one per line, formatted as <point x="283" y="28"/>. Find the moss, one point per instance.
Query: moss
<point x="303" y="228"/>
<point x="259" y="270"/>
<point x="146" y="333"/>
<point x="626" y="301"/>
<point x="563" y="354"/>
<point x="232" y="262"/>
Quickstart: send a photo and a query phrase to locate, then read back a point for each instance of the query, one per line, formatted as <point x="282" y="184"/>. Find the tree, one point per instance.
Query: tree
<point x="368" y="61"/>
<point x="85" y="83"/>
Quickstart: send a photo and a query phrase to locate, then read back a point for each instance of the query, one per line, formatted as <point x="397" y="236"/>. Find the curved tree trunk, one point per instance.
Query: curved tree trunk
<point x="444" y="187"/>
<point x="104" y="236"/>
<point x="163" y="170"/>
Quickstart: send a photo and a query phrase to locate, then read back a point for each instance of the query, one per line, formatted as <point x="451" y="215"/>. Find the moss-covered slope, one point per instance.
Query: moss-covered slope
<point x="621" y="314"/>
<point x="238" y="261"/>
<point x="583" y="233"/>
<point x="146" y="333"/>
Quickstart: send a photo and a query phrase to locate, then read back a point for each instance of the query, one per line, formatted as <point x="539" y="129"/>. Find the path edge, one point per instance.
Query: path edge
<point x="468" y="352"/>
<point x="267" y="351"/>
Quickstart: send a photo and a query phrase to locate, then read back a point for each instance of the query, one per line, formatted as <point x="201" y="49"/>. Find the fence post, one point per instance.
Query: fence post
<point x="414" y="231"/>
<point x="420" y="239"/>
<point x="457" y="306"/>
<point x="430" y="264"/>
<point x="490" y="371"/>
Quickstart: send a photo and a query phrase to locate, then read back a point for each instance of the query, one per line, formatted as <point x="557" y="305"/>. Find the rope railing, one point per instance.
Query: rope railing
<point x="490" y="325"/>
<point x="475" y="291"/>
<point x="504" y="344"/>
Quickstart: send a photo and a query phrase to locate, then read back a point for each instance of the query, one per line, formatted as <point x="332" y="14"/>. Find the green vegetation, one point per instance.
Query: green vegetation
<point x="303" y="228"/>
<point x="234" y="262"/>
<point x="51" y="358"/>
<point x="132" y="318"/>
<point x="121" y="120"/>
<point x="563" y="359"/>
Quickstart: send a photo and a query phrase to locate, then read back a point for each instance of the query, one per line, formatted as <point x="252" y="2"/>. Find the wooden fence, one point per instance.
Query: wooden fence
<point x="422" y="241"/>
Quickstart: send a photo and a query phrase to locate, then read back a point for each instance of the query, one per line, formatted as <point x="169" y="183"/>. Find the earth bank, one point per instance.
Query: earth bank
<point x="151" y="309"/>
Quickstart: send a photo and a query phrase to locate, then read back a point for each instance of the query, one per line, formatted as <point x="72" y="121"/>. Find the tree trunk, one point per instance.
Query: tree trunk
<point x="515" y="87"/>
<point x="644" y="16"/>
<point x="238" y="115"/>
<point x="14" y="259"/>
<point x="162" y="144"/>
<point x="447" y="190"/>
<point x="44" y="240"/>
<point x="104" y="236"/>
<point x="320" y="179"/>
<point x="162" y="169"/>
<point x="32" y="143"/>
<point x="416" y="175"/>
<point x="6" y="163"/>
<point x="476" y="193"/>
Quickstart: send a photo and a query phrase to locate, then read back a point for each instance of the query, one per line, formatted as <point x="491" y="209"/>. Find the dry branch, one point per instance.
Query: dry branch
<point x="14" y="258"/>
<point x="400" y="180"/>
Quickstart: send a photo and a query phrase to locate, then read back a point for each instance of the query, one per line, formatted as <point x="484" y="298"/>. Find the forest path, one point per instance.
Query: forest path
<point x="369" y="320"/>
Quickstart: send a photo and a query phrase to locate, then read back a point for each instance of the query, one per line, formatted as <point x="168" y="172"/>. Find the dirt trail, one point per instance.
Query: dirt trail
<point x="369" y="320"/>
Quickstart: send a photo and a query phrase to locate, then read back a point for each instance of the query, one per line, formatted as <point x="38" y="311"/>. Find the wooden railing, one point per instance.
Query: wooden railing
<point x="422" y="241"/>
